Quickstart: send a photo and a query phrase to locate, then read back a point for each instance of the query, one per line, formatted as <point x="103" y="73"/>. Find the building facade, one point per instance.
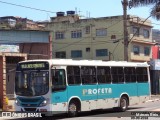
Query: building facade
<point x="19" y="45"/>
<point x="99" y="38"/>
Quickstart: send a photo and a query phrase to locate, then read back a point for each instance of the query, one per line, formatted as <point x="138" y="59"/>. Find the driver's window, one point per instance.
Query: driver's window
<point x="58" y="79"/>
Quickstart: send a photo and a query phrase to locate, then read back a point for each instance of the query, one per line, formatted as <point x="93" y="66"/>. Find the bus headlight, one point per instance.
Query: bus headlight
<point x="44" y="103"/>
<point x="17" y="102"/>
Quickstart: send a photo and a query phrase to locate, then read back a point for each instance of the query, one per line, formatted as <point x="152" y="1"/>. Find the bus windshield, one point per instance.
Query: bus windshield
<point x="32" y="83"/>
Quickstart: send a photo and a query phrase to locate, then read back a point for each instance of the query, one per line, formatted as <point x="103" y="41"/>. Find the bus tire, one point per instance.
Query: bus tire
<point x="72" y="109"/>
<point x="123" y="104"/>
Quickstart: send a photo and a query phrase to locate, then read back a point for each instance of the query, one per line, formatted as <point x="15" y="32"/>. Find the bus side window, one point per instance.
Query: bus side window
<point x="130" y="75"/>
<point x="73" y="75"/>
<point x="103" y="75"/>
<point x="117" y="74"/>
<point x="58" y="79"/>
<point x="88" y="74"/>
<point x="141" y="74"/>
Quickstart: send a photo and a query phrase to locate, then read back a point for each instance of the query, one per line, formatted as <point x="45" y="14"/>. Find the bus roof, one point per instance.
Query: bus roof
<point x="70" y="62"/>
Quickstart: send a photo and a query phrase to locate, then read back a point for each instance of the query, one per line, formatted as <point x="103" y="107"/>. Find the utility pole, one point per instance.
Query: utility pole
<point x="125" y="4"/>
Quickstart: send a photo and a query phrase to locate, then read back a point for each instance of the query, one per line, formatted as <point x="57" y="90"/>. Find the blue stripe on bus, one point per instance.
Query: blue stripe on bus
<point x="92" y="92"/>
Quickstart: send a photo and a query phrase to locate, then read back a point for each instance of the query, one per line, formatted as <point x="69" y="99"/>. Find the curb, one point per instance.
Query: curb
<point x="153" y="100"/>
<point x="156" y="99"/>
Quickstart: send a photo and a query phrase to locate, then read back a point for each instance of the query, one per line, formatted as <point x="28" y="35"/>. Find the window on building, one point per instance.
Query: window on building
<point x="113" y="37"/>
<point x="76" y="34"/>
<point x="117" y="74"/>
<point x="61" y="54"/>
<point x="146" y="33"/>
<point x="88" y="75"/>
<point x="130" y="74"/>
<point x="101" y="52"/>
<point x="88" y="29"/>
<point x="136" y="50"/>
<point x="136" y="31"/>
<point x="87" y="49"/>
<point x="59" y="35"/>
<point x="76" y="53"/>
<point x="141" y="74"/>
<point x="101" y="32"/>
<point x="103" y="75"/>
<point x="146" y="51"/>
<point x="73" y="74"/>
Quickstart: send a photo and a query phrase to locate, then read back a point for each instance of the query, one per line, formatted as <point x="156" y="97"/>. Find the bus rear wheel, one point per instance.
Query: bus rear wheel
<point x="72" y="109"/>
<point x="123" y="104"/>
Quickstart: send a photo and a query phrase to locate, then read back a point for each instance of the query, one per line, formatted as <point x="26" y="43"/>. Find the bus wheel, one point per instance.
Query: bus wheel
<point x="72" y="109"/>
<point x="123" y="104"/>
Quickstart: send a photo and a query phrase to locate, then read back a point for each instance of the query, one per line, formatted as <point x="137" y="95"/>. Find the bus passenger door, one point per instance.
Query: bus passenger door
<point x="59" y="89"/>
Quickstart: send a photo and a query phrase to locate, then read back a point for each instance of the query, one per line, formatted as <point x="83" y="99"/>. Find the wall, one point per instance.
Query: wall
<point x="23" y="36"/>
<point x="141" y="56"/>
<point x="155" y="52"/>
<point x="35" y="50"/>
<point x="10" y="78"/>
<point x="114" y="26"/>
<point x="8" y="62"/>
<point x="140" y="40"/>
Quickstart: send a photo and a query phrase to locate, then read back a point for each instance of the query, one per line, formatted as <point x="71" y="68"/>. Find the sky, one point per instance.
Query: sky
<point x="85" y="8"/>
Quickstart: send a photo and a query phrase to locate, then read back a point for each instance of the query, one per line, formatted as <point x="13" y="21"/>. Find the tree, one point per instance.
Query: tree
<point x="155" y="10"/>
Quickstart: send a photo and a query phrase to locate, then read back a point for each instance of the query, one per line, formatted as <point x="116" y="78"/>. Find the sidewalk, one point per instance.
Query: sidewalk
<point x="10" y="106"/>
<point x="155" y="97"/>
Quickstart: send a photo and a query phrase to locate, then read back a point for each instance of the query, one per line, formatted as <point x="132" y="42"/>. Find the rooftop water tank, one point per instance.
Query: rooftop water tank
<point x="70" y="12"/>
<point x="59" y="14"/>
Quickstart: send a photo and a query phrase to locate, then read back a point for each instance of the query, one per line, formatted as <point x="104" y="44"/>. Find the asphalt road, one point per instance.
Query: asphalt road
<point x="150" y="108"/>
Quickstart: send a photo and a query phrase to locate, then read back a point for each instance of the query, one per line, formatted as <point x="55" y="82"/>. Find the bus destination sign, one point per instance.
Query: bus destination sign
<point x="33" y="65"/>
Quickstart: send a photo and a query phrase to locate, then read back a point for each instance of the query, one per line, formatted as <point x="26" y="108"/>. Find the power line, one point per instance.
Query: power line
<point x="26" y="7"/>
<point x="114" y="50"/>
<point x="45" y="10"/>
<point x="95" y="43"/>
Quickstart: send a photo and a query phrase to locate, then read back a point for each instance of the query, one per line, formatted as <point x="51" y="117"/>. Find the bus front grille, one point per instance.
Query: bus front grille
<point x="30" y="109"/>
<point x="30" y="105"/>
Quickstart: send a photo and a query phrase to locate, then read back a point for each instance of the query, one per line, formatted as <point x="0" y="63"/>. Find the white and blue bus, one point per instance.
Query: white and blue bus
<point x="72" y="86"/>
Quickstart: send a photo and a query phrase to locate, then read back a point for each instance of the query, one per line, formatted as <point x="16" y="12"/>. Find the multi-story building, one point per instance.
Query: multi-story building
<point x="13" y="22"/>
<point x="100" y="38"/>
